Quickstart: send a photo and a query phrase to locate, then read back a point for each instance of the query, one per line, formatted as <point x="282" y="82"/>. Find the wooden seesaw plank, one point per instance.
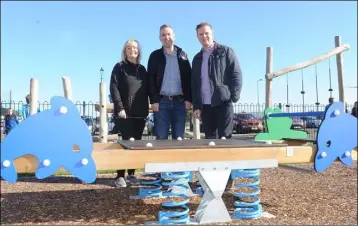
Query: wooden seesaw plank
<point x="113" y="156"/>
<point x="298" y="142"/>
<point x="29" y="163"/>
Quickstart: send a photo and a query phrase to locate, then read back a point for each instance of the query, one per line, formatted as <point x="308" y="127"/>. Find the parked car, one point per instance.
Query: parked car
<point x="312" y="122"/>
<point x="246" y="123"/>
<point x="297" y="124"/>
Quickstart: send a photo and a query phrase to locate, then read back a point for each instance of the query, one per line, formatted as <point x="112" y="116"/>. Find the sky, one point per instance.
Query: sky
<point x="48" y="40"/>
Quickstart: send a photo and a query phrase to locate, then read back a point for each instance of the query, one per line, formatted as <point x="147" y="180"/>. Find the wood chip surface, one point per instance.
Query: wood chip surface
<point x="294" y="197"/>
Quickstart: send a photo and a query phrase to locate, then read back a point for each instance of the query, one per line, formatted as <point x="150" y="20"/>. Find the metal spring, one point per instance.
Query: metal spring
<point x="247" y="210"/>
<point x="151" y="192"/>
<point x="169" y="216"/>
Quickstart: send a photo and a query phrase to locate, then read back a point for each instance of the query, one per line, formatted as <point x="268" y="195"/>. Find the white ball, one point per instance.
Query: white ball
<point x="211" y="143"/>
<point x="347" y="153"/>
<point x="131" y="139"/>
<point x="179" y="138"/>
<point x="46" y="162"/>
<point x="336" y="112"/>
<point x="223" y="138"/>
<point x="63" y="110"/>
<point x="84" y="161"/>
<point x="6" y="163"/>
<point x="323" y="154"/>
<point x="149" y="145"/>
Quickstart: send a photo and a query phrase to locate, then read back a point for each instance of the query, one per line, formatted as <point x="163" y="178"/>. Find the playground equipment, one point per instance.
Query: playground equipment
<point x="175" y="217"/>
<point x="154" y="189"/>
<point x="212" y="160"/>
<point x="279" y="127"/>
<point x="337" y="134"/>
<point x="247" y="210"/>
<point x="165" y="185"/>
<point x="171" y="215"/>
<point x="63" y="127"/>
<point x="270" y="75"/>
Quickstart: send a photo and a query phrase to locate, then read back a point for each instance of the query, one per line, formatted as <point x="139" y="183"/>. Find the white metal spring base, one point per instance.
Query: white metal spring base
<point x="213" y="177"/>
<point x="212" y="207"/>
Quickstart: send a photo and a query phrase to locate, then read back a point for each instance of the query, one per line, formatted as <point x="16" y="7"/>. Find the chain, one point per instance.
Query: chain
<point x="131" y="117"/>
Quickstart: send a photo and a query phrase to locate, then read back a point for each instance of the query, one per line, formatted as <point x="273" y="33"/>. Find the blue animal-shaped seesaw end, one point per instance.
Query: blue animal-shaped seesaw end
<point x="336" y="138"/>
<point x="51" y="136"/>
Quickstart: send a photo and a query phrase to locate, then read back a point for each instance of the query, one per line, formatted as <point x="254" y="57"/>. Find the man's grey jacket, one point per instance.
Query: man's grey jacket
<point x="224" y="75"/>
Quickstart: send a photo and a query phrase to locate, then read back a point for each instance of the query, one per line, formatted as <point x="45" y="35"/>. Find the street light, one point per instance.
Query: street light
<point x="258" y="94"/>
<point x="101" y="73"/>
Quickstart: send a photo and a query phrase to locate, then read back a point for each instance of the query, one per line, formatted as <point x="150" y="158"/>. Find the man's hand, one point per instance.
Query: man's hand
<point x="122" y="114"/>
<point x="187" y="105"/>
<point x="155" y="107"/>
<point x="197" y="114"/>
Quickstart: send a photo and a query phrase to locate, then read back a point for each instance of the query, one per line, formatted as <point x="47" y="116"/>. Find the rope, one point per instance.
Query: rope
<point x="303" y="91"/>
<point x="317" y="103"/>
<point x="287" y="105"/>
<point x="131" y="117"/>
<point x="330" y="78"/>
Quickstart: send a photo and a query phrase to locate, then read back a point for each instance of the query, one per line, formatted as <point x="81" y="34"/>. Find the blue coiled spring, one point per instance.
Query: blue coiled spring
<point x="170" y="214"/>
<point x="155" y="190"/>
<point x="247" y="210"/>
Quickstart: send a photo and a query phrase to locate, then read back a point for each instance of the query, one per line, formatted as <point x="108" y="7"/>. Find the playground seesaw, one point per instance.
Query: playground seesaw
<point x="58" y="139"/>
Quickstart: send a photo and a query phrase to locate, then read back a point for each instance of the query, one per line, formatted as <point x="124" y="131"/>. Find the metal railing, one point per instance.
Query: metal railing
<point x="91" y="116"/>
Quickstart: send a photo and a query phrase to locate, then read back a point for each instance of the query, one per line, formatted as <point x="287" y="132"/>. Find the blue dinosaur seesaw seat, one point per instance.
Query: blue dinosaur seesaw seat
<point x="336" y="138"/>
<point x="50" y="136"/>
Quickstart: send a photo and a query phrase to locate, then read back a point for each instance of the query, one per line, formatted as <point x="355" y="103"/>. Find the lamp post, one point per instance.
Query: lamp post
<point x="101" y="73"/>
<point x="258" y="94"/>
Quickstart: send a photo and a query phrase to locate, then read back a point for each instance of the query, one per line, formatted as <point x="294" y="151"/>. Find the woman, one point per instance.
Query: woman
<point x="129" y="92"/>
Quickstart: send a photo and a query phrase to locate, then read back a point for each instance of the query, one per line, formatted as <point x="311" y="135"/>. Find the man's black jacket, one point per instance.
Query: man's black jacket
<point x="224" y="75"/>
<point x="156" y="67"/>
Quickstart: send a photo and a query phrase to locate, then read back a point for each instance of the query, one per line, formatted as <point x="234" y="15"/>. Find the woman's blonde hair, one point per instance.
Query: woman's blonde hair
<point x="124" y="55"/>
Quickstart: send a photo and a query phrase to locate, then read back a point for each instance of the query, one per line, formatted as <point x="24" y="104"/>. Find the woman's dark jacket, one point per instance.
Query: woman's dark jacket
<point x="129" y="89"/>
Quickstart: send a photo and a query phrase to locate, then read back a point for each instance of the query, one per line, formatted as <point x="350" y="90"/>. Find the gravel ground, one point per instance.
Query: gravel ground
<point x="293" y="197"/>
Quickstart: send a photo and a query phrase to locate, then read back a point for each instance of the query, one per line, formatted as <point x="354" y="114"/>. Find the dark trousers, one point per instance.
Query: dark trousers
<point x="218" y="120"/>
<point x="131" y="127"/>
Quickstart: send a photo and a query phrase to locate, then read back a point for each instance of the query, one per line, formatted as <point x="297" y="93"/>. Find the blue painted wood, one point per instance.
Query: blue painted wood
<point x="50" y="136"/>
<point x="295" y="114"/>
<point x="336" y="138"/>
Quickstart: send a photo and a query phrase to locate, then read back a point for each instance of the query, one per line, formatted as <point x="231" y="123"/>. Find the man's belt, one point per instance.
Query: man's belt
<point x="176" y="97"/>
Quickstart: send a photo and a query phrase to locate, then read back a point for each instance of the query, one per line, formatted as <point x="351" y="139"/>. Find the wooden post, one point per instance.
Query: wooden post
<point x="269" y="59"/>
<point x="34" y="92"/>
<point x="339" y="59"/>
<point x="196" y="127"/>
<point x="103" y="125"/>
<point x="66" y="82"/>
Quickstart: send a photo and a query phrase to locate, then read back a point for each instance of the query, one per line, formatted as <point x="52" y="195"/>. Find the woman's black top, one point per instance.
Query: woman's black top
<point x="129" y="89"/>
